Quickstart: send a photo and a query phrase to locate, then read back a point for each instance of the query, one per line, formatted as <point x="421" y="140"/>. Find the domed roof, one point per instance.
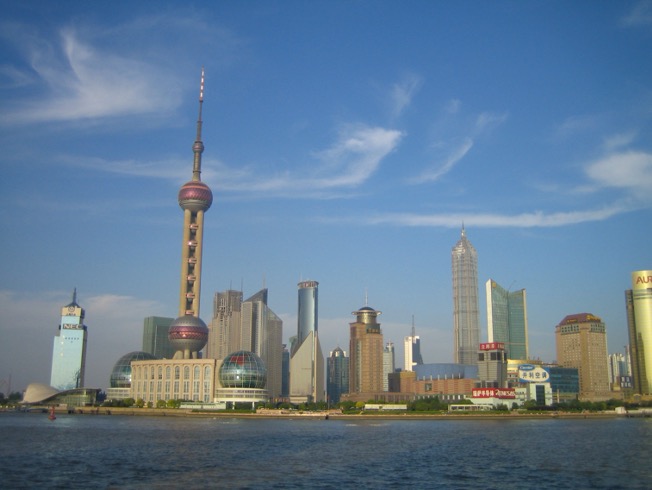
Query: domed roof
<point x="188" y="332"/>
<point x="121" y="374"/>
<point x="243" y="369"/>
<point x="195" y="196"/>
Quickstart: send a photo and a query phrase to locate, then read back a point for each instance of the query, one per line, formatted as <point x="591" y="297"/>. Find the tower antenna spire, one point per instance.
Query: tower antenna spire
<point x="198" y="146"/>
<point x="74" y="296"/>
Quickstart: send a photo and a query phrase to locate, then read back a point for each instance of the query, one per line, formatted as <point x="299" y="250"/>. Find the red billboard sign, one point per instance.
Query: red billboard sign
<point x="494" y="393"/>
<point x="492" y="346"/>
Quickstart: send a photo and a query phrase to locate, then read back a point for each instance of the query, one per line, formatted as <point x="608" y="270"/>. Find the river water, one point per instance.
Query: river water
<point x="133" y="452"/>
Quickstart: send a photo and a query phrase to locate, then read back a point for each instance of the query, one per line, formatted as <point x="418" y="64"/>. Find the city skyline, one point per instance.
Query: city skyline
<point x="349" y="150"/>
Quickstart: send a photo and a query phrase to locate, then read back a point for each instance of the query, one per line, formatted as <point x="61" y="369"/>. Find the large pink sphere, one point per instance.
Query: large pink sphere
<point x="188" y="333"/>
<point x="195" y="196"/>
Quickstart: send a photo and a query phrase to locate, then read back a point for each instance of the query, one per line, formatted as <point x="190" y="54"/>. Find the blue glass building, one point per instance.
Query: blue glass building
<point x="69" y="349"/>
<point x="507" y="319"/>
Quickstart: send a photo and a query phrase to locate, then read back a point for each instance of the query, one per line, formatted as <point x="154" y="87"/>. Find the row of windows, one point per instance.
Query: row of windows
<point x="157" y="373"/>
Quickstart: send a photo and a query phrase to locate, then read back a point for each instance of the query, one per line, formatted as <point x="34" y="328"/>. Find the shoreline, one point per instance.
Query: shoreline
<point x="157" y="412"/>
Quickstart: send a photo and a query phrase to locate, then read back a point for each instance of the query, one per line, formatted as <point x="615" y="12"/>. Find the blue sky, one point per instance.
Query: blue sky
<point x="346" y="142"/>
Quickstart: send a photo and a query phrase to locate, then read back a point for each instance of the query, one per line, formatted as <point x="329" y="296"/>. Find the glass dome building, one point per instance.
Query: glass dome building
<point x="121" y="374"/>
<point x="242" y="378"/>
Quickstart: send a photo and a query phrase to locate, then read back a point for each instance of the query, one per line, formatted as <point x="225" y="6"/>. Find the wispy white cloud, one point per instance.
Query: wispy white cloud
<point x="402" y="93"/>
<point x="444" y="167"/>
<point x="453" y="148"/>
<point x="81" y="81"/>
<point x="489" y="220"/>
<point x="640" y="14"/>
<point x="352" y="159"/>
<point x="574" y="125"/>
<point x="630" y="171"/>
<point x="620" y="140"/>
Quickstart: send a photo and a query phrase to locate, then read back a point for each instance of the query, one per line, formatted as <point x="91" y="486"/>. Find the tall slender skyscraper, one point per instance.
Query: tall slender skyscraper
<point x="412" y="350"/>
<point x="639" y="323"/>
<point x="466" y="318"/>
<point x="366" y="352"/>
<point x="507" y="319"/>
<point x="69" y="350"/>
<point x="188" y="333"/>
<point x="306" y="358"/>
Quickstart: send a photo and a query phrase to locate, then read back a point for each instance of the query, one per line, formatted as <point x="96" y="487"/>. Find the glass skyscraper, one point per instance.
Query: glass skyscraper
<point x="337" y="381"/>
<point x="466" y="319"/>
<point x="639" y="323"/>
<point x="155" y="337"/>
<point x="306" y="359"/>
<point x="69" y="351"/>
<point x="507" y="319"/>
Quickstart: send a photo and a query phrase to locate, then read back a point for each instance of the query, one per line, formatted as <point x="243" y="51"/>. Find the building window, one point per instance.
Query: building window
<point x="197" y="372"/>
<point x="160" y="372"/>
<point x="186" y="372"/>
<point x="151" y="372"/>
<point x="167" y="372"/>
<point x="177" y="372"/>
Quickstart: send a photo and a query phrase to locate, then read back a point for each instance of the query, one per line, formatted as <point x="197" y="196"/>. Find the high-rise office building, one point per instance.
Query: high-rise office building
<point x="69" y="350"/>
<point x="639" y="322"/>
<point x="225" y="332"/>
<point x="582" y="343"/>
<point x="466" y="319"/>
<point x="492" y="365"/>
<point x="306" y="358"/>
<point x="262" y="334"/>
<point x="188" y="334"/>
<point x="411" y="351"/>
<point x="618" y="368"/>
<point x="155" y="337"/>
<point x="337" y="375"/>
<point x="389" y="363"/>
<point x="366" y="352"/>
<point x="507" y="319"/>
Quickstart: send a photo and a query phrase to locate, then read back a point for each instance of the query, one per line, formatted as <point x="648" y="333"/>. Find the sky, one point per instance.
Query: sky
<point x="346" y="142"/>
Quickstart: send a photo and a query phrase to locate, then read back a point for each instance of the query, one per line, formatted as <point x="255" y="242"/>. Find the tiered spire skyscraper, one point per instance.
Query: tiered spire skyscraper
<point x="466" y="316"/>
<point x="188" y="333"/>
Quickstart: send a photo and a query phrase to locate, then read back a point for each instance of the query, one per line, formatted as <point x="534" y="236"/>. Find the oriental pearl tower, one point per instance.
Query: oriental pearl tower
<point x="188" y="334"/>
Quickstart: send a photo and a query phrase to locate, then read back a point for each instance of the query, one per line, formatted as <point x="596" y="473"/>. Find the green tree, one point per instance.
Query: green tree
<point x="140" y="403"/>
<point x="161" y="404"/>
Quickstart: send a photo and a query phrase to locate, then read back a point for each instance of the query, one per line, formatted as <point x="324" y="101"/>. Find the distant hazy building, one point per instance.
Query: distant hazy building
<point x="389" y="364"/>
<point x="411" y="351"/>
<point x="337" y="375"/>
<point x="507" y="319"/>
<point x="225" y="331"/>
<point x="639" y="323"/>
<point x="262" y="334"/>
<point x="285" y="372"/>
<point x="492" y="365"/>
<point x="466" y="316"/>
<point x="582" y="343"/>
<point x="366" y="352"/>
<point x="306" y="358"/>
<point x="69" y="350"/>
<point x="155" y="337"/>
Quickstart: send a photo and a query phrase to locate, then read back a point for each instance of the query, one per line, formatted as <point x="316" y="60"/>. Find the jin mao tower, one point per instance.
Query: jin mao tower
<point x="188" y="333"/>
<point x="466" y="319"/>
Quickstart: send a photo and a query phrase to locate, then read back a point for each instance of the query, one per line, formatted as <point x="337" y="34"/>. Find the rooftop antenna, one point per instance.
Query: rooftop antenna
<point x="198" y="146"/>
<point x="366" y="297"/>
<point x="74" y="296"/>
<point x="413" y="330"/>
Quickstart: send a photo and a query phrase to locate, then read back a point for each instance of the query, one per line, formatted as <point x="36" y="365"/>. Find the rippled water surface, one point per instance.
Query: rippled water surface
<point x="113" y="452"/>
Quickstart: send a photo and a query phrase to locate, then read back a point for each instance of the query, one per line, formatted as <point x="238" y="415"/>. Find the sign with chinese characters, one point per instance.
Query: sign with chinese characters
<point x="529" y="373"/>
<point x="492" y="346"/>
<point x="494" y="393"/>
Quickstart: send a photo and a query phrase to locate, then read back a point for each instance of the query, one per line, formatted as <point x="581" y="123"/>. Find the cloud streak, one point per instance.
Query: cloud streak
<point x="78" y="81"/>
<point x="352" y="159"/>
